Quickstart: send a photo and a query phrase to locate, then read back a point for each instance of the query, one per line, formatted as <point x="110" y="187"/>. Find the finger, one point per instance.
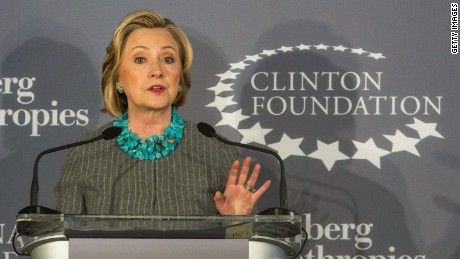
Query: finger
<point x="261" y="190"/>
<point x="233" y="174"/>
<point x="254" y="175"/>
<point x="218" y="197"/>
<point x="244" y="170"/>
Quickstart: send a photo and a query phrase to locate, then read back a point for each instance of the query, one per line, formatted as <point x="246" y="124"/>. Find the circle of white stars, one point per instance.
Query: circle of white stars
<point x="328" y="153"/>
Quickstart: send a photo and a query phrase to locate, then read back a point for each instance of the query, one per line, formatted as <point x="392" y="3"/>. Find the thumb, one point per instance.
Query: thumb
<point x="218" y="197"/>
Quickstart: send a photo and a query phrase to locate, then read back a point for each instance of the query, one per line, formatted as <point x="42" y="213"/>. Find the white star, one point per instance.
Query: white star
<point x="424" y="129"/>
<point x="221" y="87"/>
<point x="403" y="143"/>
<point x="376" y="55"/>
<point x="269" y="52"/>
<point x="232" y="118"/>
<point x="340" y="48"/>
<point x="321" y="46"/>
<point x="288" y="147"/>
<point x="328" y="153"/>
<point x="358" y="51"/>
<point x="227" y="75"/>
<point x="255" y="134"/>
<point x="369" y="151"/>
<point x="239" y="65"/>
<point x="221" y="102"/>
<point x="285" y="49"/>
<point x="253" y="58"/>
<point x="303" y="47"/>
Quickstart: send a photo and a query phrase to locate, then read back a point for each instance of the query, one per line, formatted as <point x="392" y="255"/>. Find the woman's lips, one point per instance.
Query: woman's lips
<point x="156" y="89"/>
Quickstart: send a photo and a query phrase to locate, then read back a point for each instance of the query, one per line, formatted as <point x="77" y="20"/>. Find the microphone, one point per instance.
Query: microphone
<point x="210" y="132"/>
<point x="107" y="134"/>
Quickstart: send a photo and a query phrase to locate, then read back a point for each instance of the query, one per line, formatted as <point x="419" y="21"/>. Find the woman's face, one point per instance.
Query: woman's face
<point x="150" y="70"/>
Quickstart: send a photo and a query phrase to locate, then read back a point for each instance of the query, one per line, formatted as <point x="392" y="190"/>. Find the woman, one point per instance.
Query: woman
<point x="159" y="164"/>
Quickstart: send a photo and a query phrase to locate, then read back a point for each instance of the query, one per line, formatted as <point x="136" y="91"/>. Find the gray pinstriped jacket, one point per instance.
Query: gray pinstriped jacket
<point x="100" y="178"/>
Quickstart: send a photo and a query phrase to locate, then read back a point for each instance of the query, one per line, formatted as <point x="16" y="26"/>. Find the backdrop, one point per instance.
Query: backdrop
<point x="359" y="98"/>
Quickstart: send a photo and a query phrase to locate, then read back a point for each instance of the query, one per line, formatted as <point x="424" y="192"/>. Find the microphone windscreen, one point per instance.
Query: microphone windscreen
<point x="111" y="132"/>
<point x="206" y="129"/>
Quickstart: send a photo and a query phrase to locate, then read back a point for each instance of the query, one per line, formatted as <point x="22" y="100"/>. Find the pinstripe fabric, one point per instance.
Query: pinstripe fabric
<point x="99" y="178"/>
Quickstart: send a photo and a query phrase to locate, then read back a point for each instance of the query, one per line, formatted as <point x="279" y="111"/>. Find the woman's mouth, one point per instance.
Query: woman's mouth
<point x="156" y="89"/>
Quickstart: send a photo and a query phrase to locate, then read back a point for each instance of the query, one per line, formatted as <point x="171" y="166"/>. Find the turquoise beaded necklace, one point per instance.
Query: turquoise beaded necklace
<point x="153" y="147"/>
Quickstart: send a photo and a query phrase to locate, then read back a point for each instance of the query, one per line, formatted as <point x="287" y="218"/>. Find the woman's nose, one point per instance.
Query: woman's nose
<point x="156" y="70"/>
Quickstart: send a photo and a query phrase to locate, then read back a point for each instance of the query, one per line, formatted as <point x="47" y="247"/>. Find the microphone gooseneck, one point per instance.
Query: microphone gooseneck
<point x="107" y="134"/>
<point x="209" y="131"/>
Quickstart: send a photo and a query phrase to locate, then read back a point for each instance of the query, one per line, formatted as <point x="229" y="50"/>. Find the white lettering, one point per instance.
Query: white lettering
<point x="291" y="81"/>
<point x="253" y="81"/>
<point x="82" y="116"/>
<point x="282" y="105"/>
<point x="356" y="78"/>
<point x="334" y="231"/>
<point x="23" y="85"/>
<point x="35" y="118"/>
<point x="344" y="105"/>
<point x="347" y="104"/>
<point x="25" y="97"/>
<point x="428" y="102"/>
<point x="415" y="105"/>
<point x="257" y="104"/>
<point x="318" y="252"/>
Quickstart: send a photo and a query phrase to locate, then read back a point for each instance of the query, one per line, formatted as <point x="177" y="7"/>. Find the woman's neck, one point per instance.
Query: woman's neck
<point x="147" y="123"/>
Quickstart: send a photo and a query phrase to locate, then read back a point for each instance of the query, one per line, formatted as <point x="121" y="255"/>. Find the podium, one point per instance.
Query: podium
<point x="65" y="236"/>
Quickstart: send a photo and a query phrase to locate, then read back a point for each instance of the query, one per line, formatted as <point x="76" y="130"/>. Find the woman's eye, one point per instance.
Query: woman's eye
<point x="169" y="60"/>
<point x="139" y="60"/>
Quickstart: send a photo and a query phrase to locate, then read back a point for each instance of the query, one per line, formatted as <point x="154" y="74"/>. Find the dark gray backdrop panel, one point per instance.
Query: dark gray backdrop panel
<point x="383" y="181"/>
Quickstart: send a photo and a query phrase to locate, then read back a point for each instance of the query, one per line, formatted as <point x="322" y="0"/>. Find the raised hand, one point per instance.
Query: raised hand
<point x="240" y="195"/>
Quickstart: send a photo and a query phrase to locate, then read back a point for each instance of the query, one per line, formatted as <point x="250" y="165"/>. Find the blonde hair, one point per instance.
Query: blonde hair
<point x="116" y="103"/>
